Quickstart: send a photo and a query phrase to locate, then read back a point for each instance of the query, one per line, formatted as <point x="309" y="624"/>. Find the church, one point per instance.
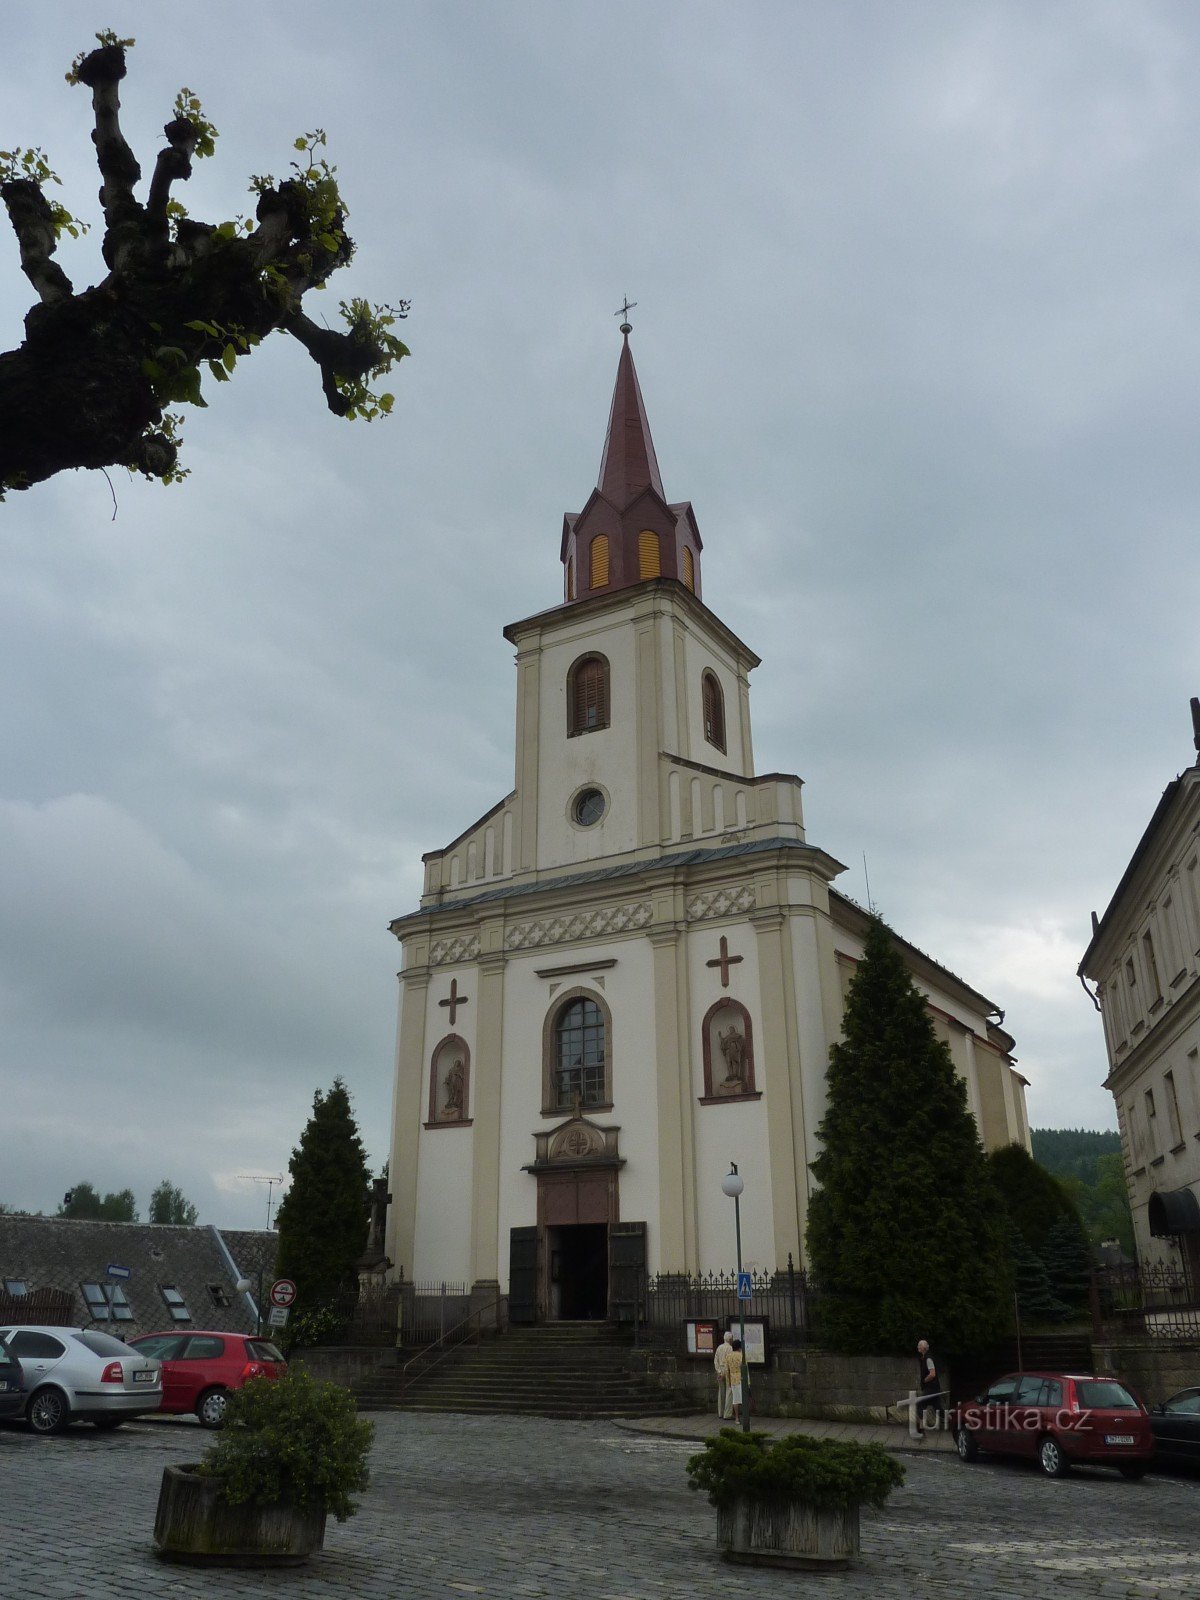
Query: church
<point x="628" y="973"/>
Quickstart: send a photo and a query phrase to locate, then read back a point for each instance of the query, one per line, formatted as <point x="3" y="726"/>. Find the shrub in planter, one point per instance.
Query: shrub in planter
<point x="292" y="1452"/>
<point x="794" y="1501"/>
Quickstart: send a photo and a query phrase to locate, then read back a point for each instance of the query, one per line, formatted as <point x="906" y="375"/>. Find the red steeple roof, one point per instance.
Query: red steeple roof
<point x="628" y="533"/>
<point x="628" y="464"/>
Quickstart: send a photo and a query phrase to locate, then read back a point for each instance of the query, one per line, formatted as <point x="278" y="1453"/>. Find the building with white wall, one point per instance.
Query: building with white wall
<point x="1144" y="958"/>
<point x="629" y="972"/>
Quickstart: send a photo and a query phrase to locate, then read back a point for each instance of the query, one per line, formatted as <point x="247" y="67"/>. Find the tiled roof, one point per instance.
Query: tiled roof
<point x="201" y="1263"/>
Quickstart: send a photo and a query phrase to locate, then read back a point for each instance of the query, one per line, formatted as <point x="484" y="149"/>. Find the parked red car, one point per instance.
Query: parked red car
<point x="1058" y="1419"/>
<point x="199" y="1369"/>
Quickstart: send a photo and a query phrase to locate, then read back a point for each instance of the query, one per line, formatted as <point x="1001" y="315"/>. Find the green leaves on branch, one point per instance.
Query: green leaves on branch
<point x="31" y="166"/>
<point x="370" y="327"/>
<point x="107" y="39"/>
<point x="187" y="106"/>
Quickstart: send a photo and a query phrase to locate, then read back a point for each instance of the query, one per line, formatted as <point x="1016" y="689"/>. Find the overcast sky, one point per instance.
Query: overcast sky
<point x="917" y="332"/>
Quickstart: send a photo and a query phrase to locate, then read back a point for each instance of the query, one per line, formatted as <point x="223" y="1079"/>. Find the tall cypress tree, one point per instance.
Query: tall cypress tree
<point x="905" y="1234"/>
<point x="323" y="1217"/>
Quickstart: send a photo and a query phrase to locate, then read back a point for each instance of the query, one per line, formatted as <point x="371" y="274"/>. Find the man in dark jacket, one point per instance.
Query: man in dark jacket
<point x="928" y="1385"/>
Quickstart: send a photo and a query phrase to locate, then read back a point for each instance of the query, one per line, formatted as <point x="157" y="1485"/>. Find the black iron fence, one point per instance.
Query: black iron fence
<point x="427" y="1311"/>
<point x="388" y="1315"/>
<point x="1152" y="1301"/>
<point x="785" y="1299"/>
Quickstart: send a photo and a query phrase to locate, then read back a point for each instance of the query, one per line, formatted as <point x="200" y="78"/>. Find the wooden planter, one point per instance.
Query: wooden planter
<point x="193" y="1524"/>
<point x="788" y="1533"/>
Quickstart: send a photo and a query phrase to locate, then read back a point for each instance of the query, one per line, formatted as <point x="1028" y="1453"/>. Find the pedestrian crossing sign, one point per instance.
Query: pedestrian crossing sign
<point x="745" y="1292"/>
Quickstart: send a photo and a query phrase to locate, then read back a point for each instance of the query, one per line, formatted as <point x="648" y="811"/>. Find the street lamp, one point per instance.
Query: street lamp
<point x="733" y="1185"/>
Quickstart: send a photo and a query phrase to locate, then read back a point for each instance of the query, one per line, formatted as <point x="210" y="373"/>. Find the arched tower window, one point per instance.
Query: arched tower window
<point x="577" y="1059"/>
<point x="714" y="711"/>
<point x="587" y="696"/>
<point x="649" y="557"/>
<point x="571" y="579"/>
<point x="598" y="554"/>
<point x="689" y="569"/>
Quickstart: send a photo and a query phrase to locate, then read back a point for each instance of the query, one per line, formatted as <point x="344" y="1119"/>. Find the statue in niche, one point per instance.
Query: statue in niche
<point x="733" y="1048"/>
<point x="455" y="1084"/>
<point x="380" y="1200"/>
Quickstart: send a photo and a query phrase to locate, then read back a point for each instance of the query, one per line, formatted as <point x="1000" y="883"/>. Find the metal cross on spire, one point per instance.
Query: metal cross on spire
<point x="626" y="326"/>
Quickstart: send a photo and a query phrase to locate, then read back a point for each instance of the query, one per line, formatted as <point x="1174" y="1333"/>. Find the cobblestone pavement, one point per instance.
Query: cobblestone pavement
<point x="525" y="1507"/>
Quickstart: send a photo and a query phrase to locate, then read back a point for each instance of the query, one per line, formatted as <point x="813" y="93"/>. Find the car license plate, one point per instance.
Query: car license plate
<point x="149" y="1377"/>
<point x="3" y="1385"/>
<point x="1118" y="1438"/>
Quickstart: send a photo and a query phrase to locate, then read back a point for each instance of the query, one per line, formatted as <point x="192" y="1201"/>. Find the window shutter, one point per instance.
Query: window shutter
<point x="649" y="559"/>
<point x="714" y="711"/>
<point x="689" y="569"/>
<point x="599" y="556"/>
<point x="589" y="695"/>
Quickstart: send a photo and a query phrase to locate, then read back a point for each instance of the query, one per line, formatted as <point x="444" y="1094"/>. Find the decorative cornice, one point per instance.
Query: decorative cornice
<point x="464" y="948"/>
<point x="720" y="903"/>
<point x="586" y="925"/>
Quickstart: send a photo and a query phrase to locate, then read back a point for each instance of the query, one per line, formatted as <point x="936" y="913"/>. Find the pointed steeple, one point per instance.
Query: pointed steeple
<point x="628" y="533"/>
<point x="628" y="464"/>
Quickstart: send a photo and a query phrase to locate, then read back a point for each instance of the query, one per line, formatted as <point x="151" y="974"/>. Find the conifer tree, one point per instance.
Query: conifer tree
<point x="323" y="1217"/>
<point x="1035" y="1293"/>
<point x="1068" y="1262"/>
<point x="1045" y="1216"/>
<point x="905" y="1234"/>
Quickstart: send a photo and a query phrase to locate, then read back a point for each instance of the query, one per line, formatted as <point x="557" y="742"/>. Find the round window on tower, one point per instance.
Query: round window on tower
<point x="588" y="807"/>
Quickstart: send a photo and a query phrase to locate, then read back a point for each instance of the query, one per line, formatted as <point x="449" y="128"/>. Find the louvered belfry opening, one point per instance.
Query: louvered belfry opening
<point x="599" y="557"/>
<point x="588" y="695"/>
<point x="649" y="555"/>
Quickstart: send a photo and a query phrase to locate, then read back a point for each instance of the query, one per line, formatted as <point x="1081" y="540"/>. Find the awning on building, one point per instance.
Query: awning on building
<point x="1174" y="1211"/>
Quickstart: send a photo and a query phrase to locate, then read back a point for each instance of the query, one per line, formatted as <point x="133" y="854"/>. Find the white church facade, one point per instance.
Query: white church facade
<point x="630" y="971"/>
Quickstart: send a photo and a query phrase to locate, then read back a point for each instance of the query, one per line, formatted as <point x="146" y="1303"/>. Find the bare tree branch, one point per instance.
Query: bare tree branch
<point x="183" y="301"/>
<point x="339" y="355"/>
<point x="33" y="223"/>
<point x="174" y="164"/>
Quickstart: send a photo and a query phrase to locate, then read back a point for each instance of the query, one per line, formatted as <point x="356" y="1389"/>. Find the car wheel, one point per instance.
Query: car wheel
<point x="211" y="1408"/>
<point x="107" y="1424"/>
<point x="1132" y="1469"/>
<point x="48" y="1411"/>
<point x="1051" y="1459"/>
<point x="964" y="1441"/>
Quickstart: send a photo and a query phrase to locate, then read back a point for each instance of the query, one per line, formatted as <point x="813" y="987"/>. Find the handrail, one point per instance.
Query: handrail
<point x="441" y="1339"/>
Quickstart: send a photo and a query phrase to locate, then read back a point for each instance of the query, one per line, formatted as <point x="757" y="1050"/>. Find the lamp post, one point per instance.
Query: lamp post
<point x="733" y="1185"/>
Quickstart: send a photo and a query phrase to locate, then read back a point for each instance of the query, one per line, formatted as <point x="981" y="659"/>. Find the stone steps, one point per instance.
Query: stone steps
<point x="575" y="1370"/>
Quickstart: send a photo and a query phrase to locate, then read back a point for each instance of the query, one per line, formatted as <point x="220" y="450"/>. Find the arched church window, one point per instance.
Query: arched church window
<point x="714" y="710"/>
<point x="728" y="1039"/>
<point x="689" y="569"/>
<point x="449" y="1083"/>
<point x="587" y="695"/>
<point x="598" y="554"/>
<point x="577" y="1060"/>
<point x="649" y="556"/>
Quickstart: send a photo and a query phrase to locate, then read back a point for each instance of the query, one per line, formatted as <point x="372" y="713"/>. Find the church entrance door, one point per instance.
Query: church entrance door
<point x="578" y="1272"/>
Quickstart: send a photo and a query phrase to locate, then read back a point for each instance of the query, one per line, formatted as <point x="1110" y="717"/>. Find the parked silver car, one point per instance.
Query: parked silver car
<point x="12" y="1384"/>
<point x="81" y="1373"/>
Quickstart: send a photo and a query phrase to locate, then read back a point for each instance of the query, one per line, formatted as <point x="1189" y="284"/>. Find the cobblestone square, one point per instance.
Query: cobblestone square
<point x="512" y="1506"/>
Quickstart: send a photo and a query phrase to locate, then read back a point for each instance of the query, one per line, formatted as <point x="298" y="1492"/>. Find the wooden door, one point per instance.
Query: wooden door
<point x="626" y="1268"/>
<point x="522" y="1275"/>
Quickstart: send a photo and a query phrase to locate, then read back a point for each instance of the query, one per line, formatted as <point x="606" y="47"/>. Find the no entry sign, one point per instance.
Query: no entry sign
<point x="283" y="1292"/>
